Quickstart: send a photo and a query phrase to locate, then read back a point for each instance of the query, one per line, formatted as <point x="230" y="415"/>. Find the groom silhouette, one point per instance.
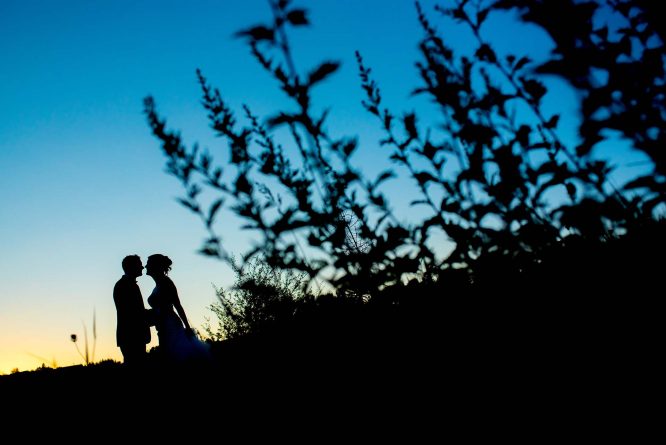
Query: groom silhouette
<point x="133" y="329"/>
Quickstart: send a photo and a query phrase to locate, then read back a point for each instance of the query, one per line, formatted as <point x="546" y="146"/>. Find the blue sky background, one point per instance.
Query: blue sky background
<point x="82" y="180"/>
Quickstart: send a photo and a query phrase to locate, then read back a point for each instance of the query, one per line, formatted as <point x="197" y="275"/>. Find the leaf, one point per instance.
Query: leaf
<point x="214" y="207"/>
<point x="458" y="13"/>
<point x="190" y="205"/>
<point x="388" y="118"/>
<point x="571" y="190"/>
<point x="521" y="63"/>
<point x="602" y="33"/>
<point x="349" y="147"/>
<point x="481" y="16"/>
<point x="647" y="181"/>
<point x="430" y="150"/>
<point x="486" y="53"/>
<point x="385" y="175"/>
<point x="216" y="174"/>
<point x="377" y="200"/>
<point x="552" y="122"/>
<point x="298" y="17"/>
<point x="281" y="119"/>
<point x="314" y="240"/>
<point x="410" y="125"/>
<point x="193" y="191"/>
<point x="474" y="133"/>
<point x="649" y="204"/>
<point x="322" y="71"/>
<point x="209" y="251"/>
<point x="395" y="234"/>
<point x="257" y="33"/>
<point x="535" y="88"/>
<point x="523" y="135"/>
<point x="243" y="185"/>
<point x="424" y="177"/>
<point x="450" y="205"/>
<point x="205" y="161"/>
<point x="539" y="145"/>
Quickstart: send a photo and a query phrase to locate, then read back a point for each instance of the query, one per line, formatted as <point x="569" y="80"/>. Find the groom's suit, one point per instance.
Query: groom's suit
<point x="133" y="329"/>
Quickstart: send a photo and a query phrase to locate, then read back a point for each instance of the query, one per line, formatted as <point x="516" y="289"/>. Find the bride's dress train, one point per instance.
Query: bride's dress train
<point x="176" y="343"/>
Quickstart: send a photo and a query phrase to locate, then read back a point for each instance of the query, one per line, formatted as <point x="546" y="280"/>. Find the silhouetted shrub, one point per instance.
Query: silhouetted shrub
<point x="262" y="298"/>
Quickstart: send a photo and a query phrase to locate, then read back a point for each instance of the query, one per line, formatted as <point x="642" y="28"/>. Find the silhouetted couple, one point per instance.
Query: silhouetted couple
<point x="177" y="340"/>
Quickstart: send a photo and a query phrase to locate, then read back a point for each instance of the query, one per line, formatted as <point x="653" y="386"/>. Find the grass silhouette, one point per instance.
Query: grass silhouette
<point x="87" y="357"/>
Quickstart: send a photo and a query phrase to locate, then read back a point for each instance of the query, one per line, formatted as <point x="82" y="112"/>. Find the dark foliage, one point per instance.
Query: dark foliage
<point x="548" y="252"/>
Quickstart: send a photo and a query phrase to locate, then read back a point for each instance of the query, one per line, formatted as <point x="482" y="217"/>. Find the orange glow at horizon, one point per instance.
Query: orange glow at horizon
<point x="53" y="352"/>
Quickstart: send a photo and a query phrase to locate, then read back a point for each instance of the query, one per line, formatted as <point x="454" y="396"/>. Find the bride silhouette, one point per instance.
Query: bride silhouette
<point x="177" y="340"/>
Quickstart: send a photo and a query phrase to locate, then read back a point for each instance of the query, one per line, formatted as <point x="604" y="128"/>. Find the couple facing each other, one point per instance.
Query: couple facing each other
<point x="177" y="341"/>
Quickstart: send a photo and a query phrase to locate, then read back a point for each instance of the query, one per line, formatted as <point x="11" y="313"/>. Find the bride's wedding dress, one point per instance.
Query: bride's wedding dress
<point x="176" y="343"/>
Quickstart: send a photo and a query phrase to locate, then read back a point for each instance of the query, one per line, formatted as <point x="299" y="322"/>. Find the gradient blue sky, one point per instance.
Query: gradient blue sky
<point x="82" y="180"/>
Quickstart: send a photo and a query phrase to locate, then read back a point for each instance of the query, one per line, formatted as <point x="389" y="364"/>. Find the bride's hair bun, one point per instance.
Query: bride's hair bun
<point x="163" y="262"/>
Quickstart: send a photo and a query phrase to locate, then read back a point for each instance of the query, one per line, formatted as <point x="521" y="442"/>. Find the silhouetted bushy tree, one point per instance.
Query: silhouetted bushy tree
<point x="518" y="201"/>
<point x="260" y="300"/>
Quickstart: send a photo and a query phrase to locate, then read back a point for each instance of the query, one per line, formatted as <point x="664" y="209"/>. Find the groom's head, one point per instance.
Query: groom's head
<point x="132" y="266"/>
